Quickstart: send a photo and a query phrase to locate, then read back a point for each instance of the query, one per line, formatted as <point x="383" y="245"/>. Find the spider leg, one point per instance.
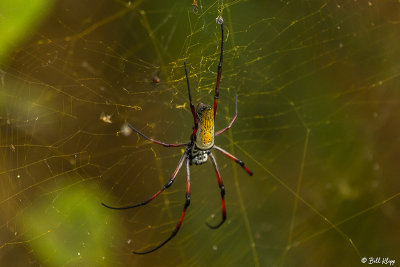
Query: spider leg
<point x="232" y="121"/>
<point x="196" y="124"/>
<point x="155" y="141"/>
<point x="178" y="226"/>
<point x="222" y="188"/>
<point x="232" y="157"/>
<point x="216" y="95"/>
<point x="157" y="193"/>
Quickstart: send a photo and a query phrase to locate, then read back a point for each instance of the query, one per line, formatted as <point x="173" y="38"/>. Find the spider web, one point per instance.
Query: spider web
<point x="317" y="83"/>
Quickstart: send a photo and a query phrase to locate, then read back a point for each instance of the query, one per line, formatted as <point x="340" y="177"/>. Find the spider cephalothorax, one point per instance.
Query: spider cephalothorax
<point x="198" y="156"/>
<point x="197" y="151"/>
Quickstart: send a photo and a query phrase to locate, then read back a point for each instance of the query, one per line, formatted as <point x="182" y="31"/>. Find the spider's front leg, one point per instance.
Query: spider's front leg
<point x="222" y="189"/>
<point x="157" y="193"/>
<point x="235" y="159"/>
<point x="178" y="226"/>
<point x="156" y="141"/>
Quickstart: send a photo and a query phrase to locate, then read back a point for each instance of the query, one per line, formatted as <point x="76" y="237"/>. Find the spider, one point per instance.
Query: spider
<point x="195" y="6"/>
<point x="197" y="151"/>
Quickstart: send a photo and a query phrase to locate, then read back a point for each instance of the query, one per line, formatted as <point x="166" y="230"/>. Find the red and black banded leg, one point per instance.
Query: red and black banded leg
<point x="222" y="188"/>
<point x="232" y="157"/>
<point x="178" y="226"/>
<point x="232" y="121"/>
<point x="155" y="141"/>
<point x="157" y="193"/>
<point x="216" y="95"/>
<point x="196" y="125"/>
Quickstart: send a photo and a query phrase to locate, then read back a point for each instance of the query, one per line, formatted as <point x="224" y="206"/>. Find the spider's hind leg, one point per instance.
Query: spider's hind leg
<point x="195" y="121"/>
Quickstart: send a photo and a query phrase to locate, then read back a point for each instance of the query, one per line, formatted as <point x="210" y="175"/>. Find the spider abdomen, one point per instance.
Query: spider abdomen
<point x="204" y="138"/>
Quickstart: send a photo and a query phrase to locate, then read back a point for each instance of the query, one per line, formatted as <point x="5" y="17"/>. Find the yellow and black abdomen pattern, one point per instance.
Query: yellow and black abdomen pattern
<point x="205" y="133"/>
<point x="207" y="127"/>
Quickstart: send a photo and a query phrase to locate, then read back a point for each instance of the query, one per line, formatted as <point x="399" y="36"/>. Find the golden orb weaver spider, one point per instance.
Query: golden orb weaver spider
<point x="197" y="150"/>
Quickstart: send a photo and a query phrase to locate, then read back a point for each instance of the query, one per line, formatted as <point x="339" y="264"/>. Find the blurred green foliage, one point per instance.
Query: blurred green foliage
<point x="69" y="226"/>
<point x="17" y="18"/>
